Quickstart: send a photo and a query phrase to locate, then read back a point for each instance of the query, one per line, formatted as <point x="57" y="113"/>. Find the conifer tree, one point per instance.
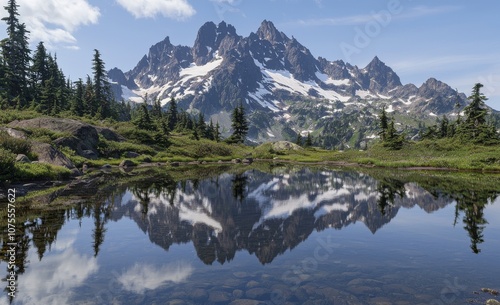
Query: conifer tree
<point x="309" y="141"/>
<point x="172" y="114"/>
<point x="298" y="141"/>
<point x="217" y="135"/>
<point x="77" y="104"/>
<point x="102" y="90"/>
<point x="15" y="57"/>
<point x="239" y="124"/>
<point x="384" y="124"/>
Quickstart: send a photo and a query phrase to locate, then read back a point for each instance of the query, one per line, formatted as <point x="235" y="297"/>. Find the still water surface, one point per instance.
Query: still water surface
<point x="286" y="236"/>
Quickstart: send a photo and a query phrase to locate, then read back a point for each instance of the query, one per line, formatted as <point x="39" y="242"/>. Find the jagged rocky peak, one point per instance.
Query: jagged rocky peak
<point x="381" y="77"/>
<point x="267" y="31"/>
<point x="204" y="43"/>
<point x="212" y="38"/>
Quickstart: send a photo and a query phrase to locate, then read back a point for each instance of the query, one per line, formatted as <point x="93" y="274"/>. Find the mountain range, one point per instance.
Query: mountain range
<point x="283" y="87"/>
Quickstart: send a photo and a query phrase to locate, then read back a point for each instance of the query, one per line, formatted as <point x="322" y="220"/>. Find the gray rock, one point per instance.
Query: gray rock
<point x="492" y="302"/>
<point x="146" y="159"/>
<point x="174" y="164"/>
<point x="18" y="134"/>
<point x="237" y="293"/>
<point x="248" y="160"/>
<point x="131" y="154"/>
<point x="106" y="166"/>
<point x="22" y="159"/>
<point x="285" y="145"/>
<point x="199" y="294"/>
<point x="218" y="297"/>
<point x="80" y="136"/>
<point x="48" y="154"/>
<point x="257" y="293"/>
<point x="90" y="154"/>
<point x="75" y="172"/>
<point x="127" y="163"/>
<point x="245" y="302"/>
<point x="236" y="161"/>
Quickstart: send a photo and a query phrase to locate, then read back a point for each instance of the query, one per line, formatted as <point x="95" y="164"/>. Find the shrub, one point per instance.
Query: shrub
<point x="37" y="171"/>
<point x="14" y="145"/>
<point x="6" y="164"/>
<point x="211" y="149"/>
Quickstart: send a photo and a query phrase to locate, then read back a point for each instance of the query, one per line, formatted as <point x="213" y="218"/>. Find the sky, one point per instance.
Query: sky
<point x="455" y="41"/>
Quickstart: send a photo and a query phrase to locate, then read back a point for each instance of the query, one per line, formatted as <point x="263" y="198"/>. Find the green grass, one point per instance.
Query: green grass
<point x="39" y="171"/>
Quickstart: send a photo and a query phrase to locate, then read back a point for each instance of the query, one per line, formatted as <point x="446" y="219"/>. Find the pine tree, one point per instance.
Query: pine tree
<point x="309" y="141"/>
<point x="298" y="141"/>
<point x="15" y="58"/>
<point x="201" y="126"/>
<point x="143" y="119"/>
<point x="77" y="105"/>
<point x="384" y="124"/>
<point x="217" y="135"/>
<point x="172" y="114"/>
<point x="475" y="114"/>
<point x="89" y="98"/>
<point x="102" y="90"/>
<point x="239" y="124"/>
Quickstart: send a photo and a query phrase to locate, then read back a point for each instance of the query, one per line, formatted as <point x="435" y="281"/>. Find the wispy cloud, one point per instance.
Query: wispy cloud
<point x="55" y="21"/>
<point x="440" y="62"/>
<point x="411" y="13"/>
<point x="142" y="277"/>
<point x="175" y="9"/>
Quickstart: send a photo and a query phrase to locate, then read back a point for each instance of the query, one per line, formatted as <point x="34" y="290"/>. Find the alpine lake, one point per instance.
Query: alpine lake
<point x="265" y="233"/>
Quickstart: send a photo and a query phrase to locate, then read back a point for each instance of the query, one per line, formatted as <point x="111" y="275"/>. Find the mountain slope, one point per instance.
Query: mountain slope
<point x="284" y="88"/>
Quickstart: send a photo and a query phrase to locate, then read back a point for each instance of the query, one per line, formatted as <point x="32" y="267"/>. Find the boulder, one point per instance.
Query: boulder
<point x="22" y="159"/>
<point x="285" y="145"/>
<point x="18" y="134"/>
<point x="48" y="154"/>
<point x="237" y="160"/>
<point x="90" y="154"/>
<point x="247" y="160"/>
<point x="127" y="163"/>
<point x="109" y="134"/>
<point x="146" y="159"/>
<point x="81" y="137"/>
<point x="175" y="164"/>
<point x="492" y="302"/>
<point x="131" y="154"/>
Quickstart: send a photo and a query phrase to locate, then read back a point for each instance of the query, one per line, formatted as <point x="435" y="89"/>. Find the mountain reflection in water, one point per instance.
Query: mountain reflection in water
<point x="262" y="213"/>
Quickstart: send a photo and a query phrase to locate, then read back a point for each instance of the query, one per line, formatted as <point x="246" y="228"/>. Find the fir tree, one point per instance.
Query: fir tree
<point x="239" y="124"/>
<point x="172" y="114"/>
<point x="15" y="58"/>
<point x="217" y="135"/>
<point x="384" y="124"/>
<point x="77" y="106"/>
<point x="309" y="141"/>
<point x="298" y="141"/>
<point x="102" y="91"/>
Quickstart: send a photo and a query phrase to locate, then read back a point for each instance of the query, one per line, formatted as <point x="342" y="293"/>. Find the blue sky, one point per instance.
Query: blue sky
<point x="455" y="41"/>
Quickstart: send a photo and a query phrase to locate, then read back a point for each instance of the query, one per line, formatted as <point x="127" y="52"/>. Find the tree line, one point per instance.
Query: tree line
<point x="37" y="83"/>
<point x="476" y="126"/>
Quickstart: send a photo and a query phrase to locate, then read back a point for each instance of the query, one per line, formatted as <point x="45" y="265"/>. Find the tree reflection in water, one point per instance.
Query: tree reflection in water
<point x="263" y="213"/>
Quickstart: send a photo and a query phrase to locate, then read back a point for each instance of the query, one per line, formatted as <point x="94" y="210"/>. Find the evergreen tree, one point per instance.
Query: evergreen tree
<point x="443" y="127"/>
<point x="77" y="104"/>
<point x="201" y="126"/>
<point x="143" y="119"/>
<point x="298" y="141"/>
<point x="384" y="124"/>
<point x="89" y="99"/>
<point x="475" y="114"/>
<point x="102" y="90"/>
<point x="309" y="141"/>
<point x="172" y="114"/>
<point x="39" y="71"/>
<point x="15" y="59"/>
<point x="239" y="124"/>
<point x="217" y="135"/>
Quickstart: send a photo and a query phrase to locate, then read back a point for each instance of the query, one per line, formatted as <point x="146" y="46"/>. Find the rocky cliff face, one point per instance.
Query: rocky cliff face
<point x="278" y="79"/>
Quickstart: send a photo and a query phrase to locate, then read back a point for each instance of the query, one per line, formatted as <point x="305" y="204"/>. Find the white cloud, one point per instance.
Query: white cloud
<point x="176" y="9"/>
<point x="142" y="277"/>
<point x="54" y="21"/>
<point x="412" y="13"/>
